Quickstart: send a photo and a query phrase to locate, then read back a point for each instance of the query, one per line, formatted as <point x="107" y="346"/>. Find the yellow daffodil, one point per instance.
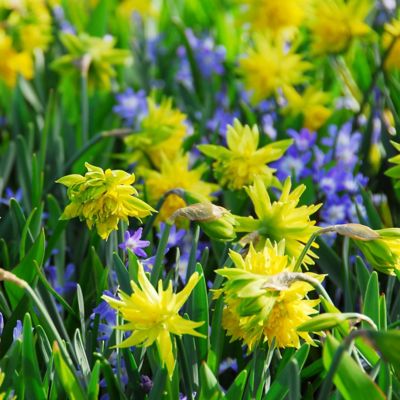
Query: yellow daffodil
<point x="311" y="104"/>
<point x="102" y="198"/>
<point x="152" y="315"/>
<point x="281" y="219"/>
<point x="30" y="20"/>
<point x="238" y="165"/>
<point x="274" y="15"/>
<point x="161" y="133"/>
<point x="270" y="66"/>
<point x="90" y="55"/>
<point x="335" y="23"/>
<point x="264" y="299"/>
<point x="394" y="172"/>
<point x="13" y="62"/>
<point x="175" y="174"/>
<point x="391" y="38"/>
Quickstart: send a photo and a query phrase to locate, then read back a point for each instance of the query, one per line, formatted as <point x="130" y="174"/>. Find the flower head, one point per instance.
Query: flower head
<point x="131" y="106"/>
<point x="335" y="23"/>
<point x="391" y="39"/>
<point x="239" y="164"/>
<point x="394" y="172"/>
<point x="264" y="298"/>
<point x="92" y="55"/>
<point x="281" y="219"/>
<point x="176" y="174"/>
<point x="102" y="198"/>
<point x="270" y="66"/>
<point x="13" y="62"/>
<point x="161" y="132"/>
<point x="134" y="243"/>
<point x="152" y="315"/>
<point x="274" y="15"/>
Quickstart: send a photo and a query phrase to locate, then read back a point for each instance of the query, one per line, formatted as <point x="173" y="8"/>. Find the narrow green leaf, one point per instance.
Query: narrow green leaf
<point x="371" y="299"/>
<point x="236" y="390"/>
<point x="94" y="386"/>
<point x="209" y="386"/>
<point x="122" y="274"/>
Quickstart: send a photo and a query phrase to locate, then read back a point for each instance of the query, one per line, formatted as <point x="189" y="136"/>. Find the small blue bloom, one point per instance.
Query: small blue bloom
<point x="107" y="316"/>
<point x="134" y="243"/>
<point x="131" y="107"/>
<point x="10" y="194"/>
<point x="17" y="332"/>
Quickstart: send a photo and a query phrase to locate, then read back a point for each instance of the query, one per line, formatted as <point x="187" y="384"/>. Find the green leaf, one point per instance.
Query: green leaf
<point x="371" y="299"/>
<point x="210" y="389"/>
<point x="362" y="273"/>
<point x="236" y="390"/>
<point x="30" y="366"/>
<point x="350" y="380"/>
<point x="25" y="270"/>
<point x="68" y="379"/>
<point x="94" y="386"/>
<point x="217" y="337"/>
<point x="122" y="274"/>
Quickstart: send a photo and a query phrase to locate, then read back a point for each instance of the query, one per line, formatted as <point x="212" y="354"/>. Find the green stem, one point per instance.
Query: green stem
<point x="156" y="272"/>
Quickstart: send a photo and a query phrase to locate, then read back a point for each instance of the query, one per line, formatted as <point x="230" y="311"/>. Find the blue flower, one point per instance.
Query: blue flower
<point x="134" y="243"/>
<point x="10" y="194"/>
<point x="131" y="107"/>
<point x="107" y="318"/>
<point x="17" y="331"/>
<point x="175" y="237"/>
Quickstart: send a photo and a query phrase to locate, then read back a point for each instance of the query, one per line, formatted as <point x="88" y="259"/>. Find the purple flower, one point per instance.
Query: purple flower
<point x="228" y="363"/>
<point x="17" y="331"/>
<point x="107" y="317"/>
<point x="133" y="243"/>
<point x="293" y="163"/>
<point x="10" y="194"/>
<point x="131" y="107"/>
<point x="220" y="120"/>
<point x="304" y="139"/>
<point x="175" y="237"/>
<point x="68" y="284"/>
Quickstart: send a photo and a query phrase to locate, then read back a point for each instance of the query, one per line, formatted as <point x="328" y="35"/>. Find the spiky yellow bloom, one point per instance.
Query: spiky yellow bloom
<point x="90" y="55"/>
<point x="30" y="22"/>
<point x="335" y="23"/>
<point x="274" y="15"/>
<point x="152" y="315"/>
<point x="311" y="104"/>
<point x="12" y="62"/>
<point x="269" y="66"/>
<point x="264" y="299"/>
<point x="161" y="132"/>
<point x="394" y="172"/>
<point x="102" y="198"/>
<point x="176" y="174"/>
<point x="281" y="219"/>
<point x="391" y="38"/>
<point x="238" y="165"/>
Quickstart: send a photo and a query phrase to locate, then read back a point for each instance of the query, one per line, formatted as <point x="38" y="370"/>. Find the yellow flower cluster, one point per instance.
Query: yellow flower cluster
<point x="152" y="316"/>
<point x="239" y="164"/>
<point x="102" y="198"/>
<point x="263" y="301"/>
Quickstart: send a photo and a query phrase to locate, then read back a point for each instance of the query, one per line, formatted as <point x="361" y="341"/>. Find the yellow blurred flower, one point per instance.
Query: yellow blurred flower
<point x="175" y="174"/>
<point x="238" y="165"/>
<point x="263" y="298"/>
<point x="391" y="38"/>
<point x="90" y="55"/>
<point x="269" y="66"/>
<point x="161" y="133"/>
<point x="102" y="198"/>
<point x="143" y="7"/>
<point x="311" y="104"/>
<point x="152" y="316"/>
<point x="335" y="23"/>
<point x="274" y="15"/>
<point x="12" y="62"/>
<point x="281" y="219"/>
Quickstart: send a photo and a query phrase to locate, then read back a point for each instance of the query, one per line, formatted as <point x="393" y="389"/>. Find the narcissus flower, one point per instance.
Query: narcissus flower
<point x="312" y="104"/>
<point x="161" y="132"/>
<point x="102" y="198"/>
<point x="269" y="66"/>
<point x="238" y="165"/>
<point x="281" y="219"/>
<point x="335" y="23"/>
<point x="152" y="315"/>
<point x="176" y="174"/>
<point x="382" y="253"/>
<point x="90" y="55"/>
<point x="391" y="38"/>
<point x="13" y="62"/>
<point x="394" y="172"/>
<point x="273" y="15"/>
<point x="264" y="299"/>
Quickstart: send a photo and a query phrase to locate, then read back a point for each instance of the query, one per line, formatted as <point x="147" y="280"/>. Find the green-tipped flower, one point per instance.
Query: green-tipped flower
<point x="91" y="56"/>
<point x="239" y="164"/>
<point x="102" y="198"/>
<point x="280" y="219"/>
<point x="264" y="299"/>
<point x="394" y="172"/>
<point x="383" y="253"/>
